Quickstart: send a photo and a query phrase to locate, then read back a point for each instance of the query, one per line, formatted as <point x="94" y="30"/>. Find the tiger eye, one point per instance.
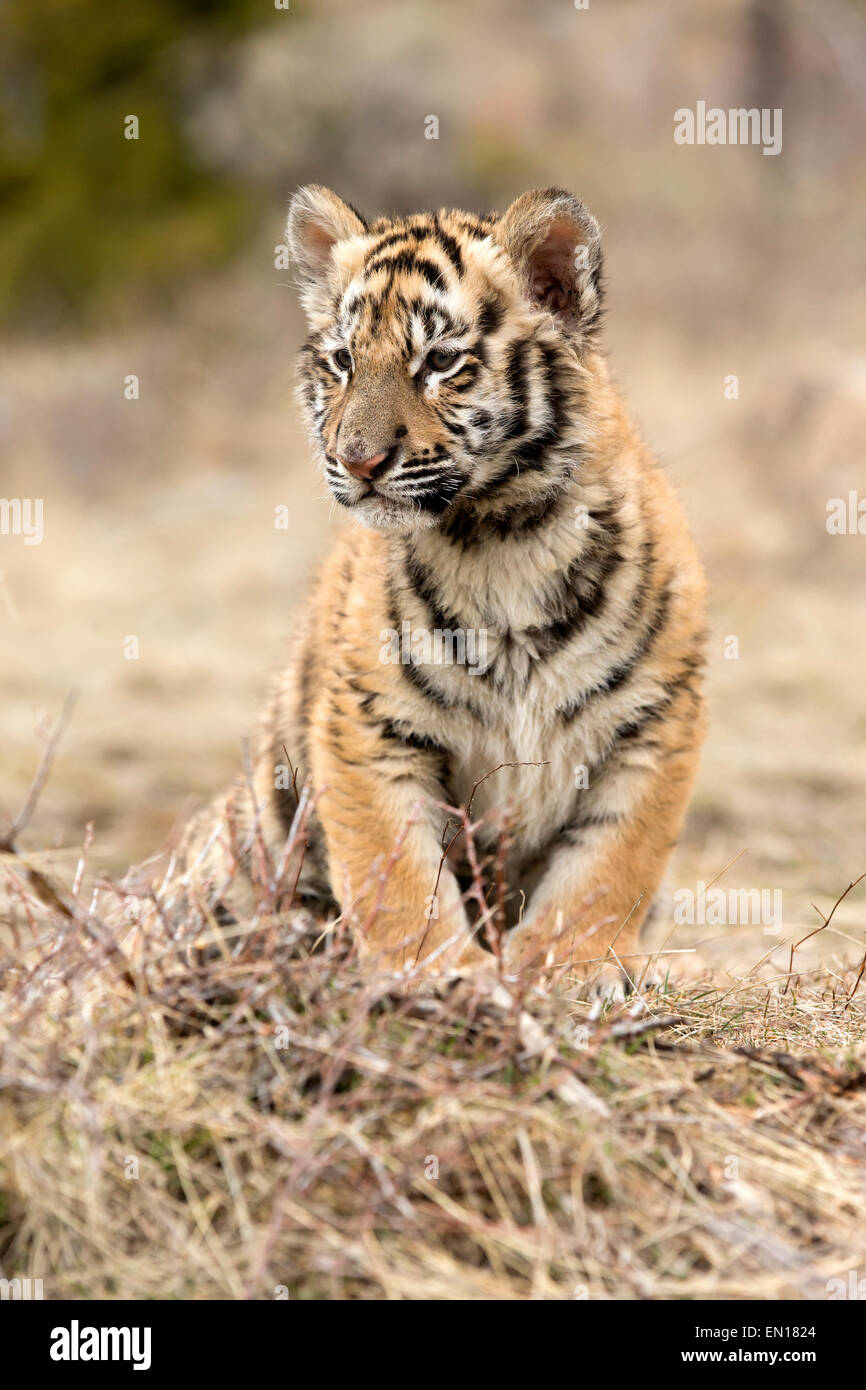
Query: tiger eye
<point x="440" y="359"/>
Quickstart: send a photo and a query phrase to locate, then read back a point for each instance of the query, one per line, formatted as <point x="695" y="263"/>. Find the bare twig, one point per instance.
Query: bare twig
<point x="7" y="841"/>
<point x="824" y="925"/>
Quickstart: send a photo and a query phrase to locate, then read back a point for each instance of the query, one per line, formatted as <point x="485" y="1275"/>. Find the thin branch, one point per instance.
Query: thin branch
<point x="824" y="925"/>
<point x="7" y="841"/>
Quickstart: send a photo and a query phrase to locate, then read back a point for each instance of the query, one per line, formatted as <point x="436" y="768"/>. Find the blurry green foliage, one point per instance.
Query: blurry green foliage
<point x="88" y="218"/>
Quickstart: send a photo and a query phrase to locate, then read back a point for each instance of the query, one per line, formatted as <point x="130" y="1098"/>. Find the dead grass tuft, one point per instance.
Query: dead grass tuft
<point x="226" y="1122"/>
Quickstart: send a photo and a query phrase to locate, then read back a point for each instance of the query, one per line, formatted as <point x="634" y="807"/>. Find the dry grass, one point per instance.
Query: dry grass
<point x="225" y="1114"/>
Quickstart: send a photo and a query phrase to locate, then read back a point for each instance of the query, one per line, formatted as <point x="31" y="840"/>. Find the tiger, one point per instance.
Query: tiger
<point x="514" y="623"/>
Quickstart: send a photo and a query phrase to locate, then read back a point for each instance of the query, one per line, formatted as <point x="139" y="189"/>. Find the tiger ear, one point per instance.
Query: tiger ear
<point x="317" y="220"/>
<point x="554" y="243"/>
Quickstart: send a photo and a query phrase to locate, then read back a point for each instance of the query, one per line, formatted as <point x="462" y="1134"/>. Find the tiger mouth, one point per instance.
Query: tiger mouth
<point x="436" y="497"/>
<point x="388" y="502"/>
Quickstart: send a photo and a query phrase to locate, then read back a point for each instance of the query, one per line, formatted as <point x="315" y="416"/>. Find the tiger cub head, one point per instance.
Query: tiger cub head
<point x="443" y="371"/>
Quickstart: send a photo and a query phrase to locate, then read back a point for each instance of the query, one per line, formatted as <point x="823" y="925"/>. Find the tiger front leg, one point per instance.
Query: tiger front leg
<point x="590" y="903"/>
<point x="387" y="869"/>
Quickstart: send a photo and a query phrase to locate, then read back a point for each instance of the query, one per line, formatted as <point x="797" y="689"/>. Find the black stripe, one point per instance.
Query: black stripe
<point x="592" y="321"/>
<point x="363" y="221"/>
<point x="437" y="497"/>
<point x="491" y="316"/>
<point x="465" y="379"/>
<point x="466" y="527"/>
<point x="532" y="454"/>
<point x="478" y="349"/>
<point x="584" y="594"/>
<point x="413" y="467"/>
<point x="408" y="261"/>
<point x="569" y="833"/>
<point x="416" y="675"/>
<point x="449" y="246"/>
<point x="516" y="364"/>
<point x="477" y="228"/>
<point x="456" y="430"/>
<point x="632" y="729"/>
<point x="398" y="732"/>
<point x="390" y="240"/>
<point x="581" y="595"/>
<point x="620" y="673"/>
<point x="425" y="686"/>
<point x="434" y="762"/>
<point x="423" y="586"/>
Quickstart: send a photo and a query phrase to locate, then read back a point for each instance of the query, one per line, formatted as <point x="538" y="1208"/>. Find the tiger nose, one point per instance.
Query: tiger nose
<point x="355" y="463"/>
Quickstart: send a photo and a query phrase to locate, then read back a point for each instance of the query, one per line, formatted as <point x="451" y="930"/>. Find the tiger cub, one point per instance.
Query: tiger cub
<point x="516" y="619"/>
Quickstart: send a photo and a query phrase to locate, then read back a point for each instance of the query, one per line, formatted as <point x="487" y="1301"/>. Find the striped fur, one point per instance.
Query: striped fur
<point x="515" y="499"/>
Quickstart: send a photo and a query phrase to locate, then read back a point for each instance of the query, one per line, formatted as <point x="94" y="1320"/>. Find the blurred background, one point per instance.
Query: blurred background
<point x="158" y="257"/>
